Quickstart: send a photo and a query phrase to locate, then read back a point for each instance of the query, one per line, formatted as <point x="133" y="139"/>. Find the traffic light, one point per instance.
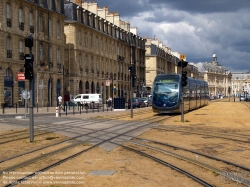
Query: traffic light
<point x="29" y="41"/>
<point x="133" y="80"/>
<point x="182" y="64"/>
<point x="29" y="59"/>
<point x="130" y="68"/>
<point x="184" y="78"/>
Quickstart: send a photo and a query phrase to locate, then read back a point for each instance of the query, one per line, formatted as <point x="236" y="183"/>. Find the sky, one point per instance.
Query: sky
<point x="196" y="28"/>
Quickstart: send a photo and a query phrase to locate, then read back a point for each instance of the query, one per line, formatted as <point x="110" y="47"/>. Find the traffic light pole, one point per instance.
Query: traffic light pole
<point x="182" y="102"/>
<point x="131" y="95"/>
<point x="31" y="85"/>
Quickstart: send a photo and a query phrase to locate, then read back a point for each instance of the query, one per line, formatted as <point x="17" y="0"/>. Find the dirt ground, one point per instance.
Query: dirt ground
<point x="133" y="170"/>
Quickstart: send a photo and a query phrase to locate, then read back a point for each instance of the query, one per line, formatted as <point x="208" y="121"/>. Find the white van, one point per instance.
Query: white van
<point x="89" y="100"/>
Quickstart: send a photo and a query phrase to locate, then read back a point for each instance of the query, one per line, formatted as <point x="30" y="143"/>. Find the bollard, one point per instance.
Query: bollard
<point x="56" y="111"/>
<point x="37" y="107"/>
<point x="47" y="107"/>
<point x="73" y="109"/>
<point x="16" y="108"/>
<point x="80" y="110"/>
<point x="3" y="107"/>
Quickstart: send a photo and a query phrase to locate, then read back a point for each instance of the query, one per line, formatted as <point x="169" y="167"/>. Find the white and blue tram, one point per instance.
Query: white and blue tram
<point x="167" y="90"/>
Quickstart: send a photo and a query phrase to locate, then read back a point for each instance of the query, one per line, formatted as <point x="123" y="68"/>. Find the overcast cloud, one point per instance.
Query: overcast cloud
<point x="193" y="27"/>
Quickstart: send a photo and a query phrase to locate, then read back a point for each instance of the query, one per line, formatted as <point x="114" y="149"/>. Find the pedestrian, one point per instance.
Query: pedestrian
<point x="60" y="102"/>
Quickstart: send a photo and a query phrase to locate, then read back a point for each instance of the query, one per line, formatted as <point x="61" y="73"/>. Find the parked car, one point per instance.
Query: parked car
<point x="147" y="101"/>
<point x="242" y="98"/>
<point x="137" y="102"/>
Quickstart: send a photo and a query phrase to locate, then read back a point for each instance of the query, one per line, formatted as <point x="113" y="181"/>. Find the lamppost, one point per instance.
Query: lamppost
<point x="112" y="78"/>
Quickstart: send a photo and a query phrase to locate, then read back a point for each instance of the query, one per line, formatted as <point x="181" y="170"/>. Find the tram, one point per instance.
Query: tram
<point x="167" y="90"/>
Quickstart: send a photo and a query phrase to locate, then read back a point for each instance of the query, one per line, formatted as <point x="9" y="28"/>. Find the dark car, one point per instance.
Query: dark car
<point x="137" y="102"/>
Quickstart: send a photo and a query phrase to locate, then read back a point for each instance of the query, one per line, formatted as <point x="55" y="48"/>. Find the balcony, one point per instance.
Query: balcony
<point x="21" y="26"/>
<point x="32" y="29"/>
<point x="9" y="22"/>
<point x="9" y="54"/>
<point x="21" y="56"/>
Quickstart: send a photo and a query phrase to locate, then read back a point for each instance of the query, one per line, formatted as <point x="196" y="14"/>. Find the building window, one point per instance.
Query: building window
<point x="58" y="9"/>
<point x="50" y="57"/>
<point x="50" y="27"/>
<point x="86" y="64"/>
<point x="91" y="40"/>
<point x="41" y="2"/>
<point x="8" y="15"/>
<point x="58" y="29"/>
<point x="58" y="57"/>
<point x="85" y="39"/>
<point x="20" y="16"/>
<point x="40" y="23"/>
<point x="31" y="23"/>
<point x="42" y="63"/>
<point x="49" y="4"/>
<point x="96" y="41"/>
<point x="97" y="64"/>
<point x="80" y="62"/>
<point x="92" y="64"/>
<point x="79" y="37"/>
<point x="9" y="51"/>
<point x="78" y="12"/>
<point x="21" y="54"/>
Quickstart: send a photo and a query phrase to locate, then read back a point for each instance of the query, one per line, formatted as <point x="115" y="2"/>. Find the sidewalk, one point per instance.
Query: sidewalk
<point x="50" y="110"/>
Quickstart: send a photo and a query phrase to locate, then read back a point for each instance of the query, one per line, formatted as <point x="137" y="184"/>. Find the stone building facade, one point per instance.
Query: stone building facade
<point x="241" y="83"/>
<point x="217" y="77"/>
<point x="100" y="49"/>
<point x="44" y="20"/>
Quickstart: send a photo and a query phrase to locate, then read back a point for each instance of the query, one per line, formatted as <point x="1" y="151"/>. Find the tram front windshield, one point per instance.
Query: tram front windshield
<point x="166" y="89"/>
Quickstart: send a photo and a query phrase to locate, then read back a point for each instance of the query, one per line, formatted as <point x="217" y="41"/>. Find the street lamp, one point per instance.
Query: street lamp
<point x="112" y="78"/>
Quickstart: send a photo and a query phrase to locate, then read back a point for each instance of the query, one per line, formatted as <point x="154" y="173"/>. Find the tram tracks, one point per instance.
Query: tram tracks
<point x="48" y="155"/>
<point x="244" y="138"/>
<point x="161" y="154"/>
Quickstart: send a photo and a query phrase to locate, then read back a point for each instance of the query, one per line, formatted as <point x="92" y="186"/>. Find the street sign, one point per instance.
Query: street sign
<point x="26" y="94"/>
<point x="20" y="76"/>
